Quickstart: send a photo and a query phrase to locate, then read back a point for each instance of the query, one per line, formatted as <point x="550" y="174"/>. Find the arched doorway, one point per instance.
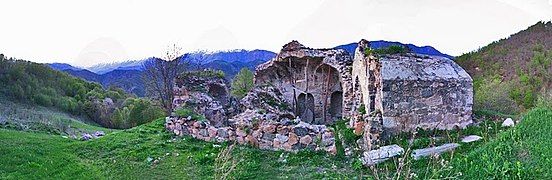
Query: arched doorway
<point x="305" y="107"/>
<point x="336" y="104"/>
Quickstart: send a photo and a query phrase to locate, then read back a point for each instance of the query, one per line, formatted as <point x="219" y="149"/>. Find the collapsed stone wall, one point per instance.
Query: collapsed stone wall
<point x="270" y="135"/>
<point x="205" y="92"/>
<point x="265" y="122"/>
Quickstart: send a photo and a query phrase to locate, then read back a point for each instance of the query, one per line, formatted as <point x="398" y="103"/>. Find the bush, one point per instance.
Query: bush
<point x="242" y="83"/>
<point x="393" y="49"/>
<point x="494" y="95"/>
<point x="42" y="99"/>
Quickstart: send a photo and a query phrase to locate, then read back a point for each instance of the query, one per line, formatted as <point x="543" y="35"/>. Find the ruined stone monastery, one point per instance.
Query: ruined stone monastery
<point x="302" y="90"/>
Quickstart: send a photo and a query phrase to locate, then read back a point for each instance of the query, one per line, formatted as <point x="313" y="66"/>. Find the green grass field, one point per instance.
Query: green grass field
<point x="149" y="152"/>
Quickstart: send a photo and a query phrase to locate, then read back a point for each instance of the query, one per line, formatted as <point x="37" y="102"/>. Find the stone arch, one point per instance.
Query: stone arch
<point x="305" y="107"/>
<point x="336" y="104"/>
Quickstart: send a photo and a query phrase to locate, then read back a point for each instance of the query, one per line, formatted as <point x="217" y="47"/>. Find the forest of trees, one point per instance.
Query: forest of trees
<point x="34" y="83"/>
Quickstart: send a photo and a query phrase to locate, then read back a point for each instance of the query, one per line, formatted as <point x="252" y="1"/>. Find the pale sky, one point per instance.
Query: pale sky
<point x="85" y="33"/>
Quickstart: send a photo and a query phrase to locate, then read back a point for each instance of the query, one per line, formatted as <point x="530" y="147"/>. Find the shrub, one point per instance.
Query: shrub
<point x="242" y="83"/>
<point x="393" y="49"/>
<point x="492" y="94"/>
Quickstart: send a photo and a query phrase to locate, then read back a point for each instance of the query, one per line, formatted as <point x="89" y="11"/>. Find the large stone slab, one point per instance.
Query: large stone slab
<point x="379" y="155"/>
<point x="420" y="153"/>
<point x="471" y="138"/>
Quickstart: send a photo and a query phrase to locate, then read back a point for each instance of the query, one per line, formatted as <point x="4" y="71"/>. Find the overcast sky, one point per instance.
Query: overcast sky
<point x="84" y="33"/>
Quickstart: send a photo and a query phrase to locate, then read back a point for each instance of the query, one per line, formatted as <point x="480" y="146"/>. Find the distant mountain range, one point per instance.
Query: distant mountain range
<point x="127" y="75"/>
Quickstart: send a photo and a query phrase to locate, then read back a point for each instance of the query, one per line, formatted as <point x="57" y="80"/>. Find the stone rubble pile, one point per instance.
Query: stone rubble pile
<point x="262" y="118"/>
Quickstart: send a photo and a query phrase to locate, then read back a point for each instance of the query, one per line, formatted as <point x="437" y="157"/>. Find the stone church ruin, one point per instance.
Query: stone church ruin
<point x="302" y="91"/>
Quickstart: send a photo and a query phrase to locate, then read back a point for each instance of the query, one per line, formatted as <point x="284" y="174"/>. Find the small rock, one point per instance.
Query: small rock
<point x="287" y="146"/>
<point x="305" y="139"/>
<point x="86" y="137"/>
<point x="203" y="132"/>
<point x="240" y="133"/>
<point x="149" y="159"/>
<point x="282" y="129"/>
<point x="223" y="133"/>
<point x="212" y="131"/>
<point x="300" y="131"/>
<point x="269" y="128"/>
<point x="293" y="139"/>
<point x="332" y="150"/>
<point x="176" y="132"/>
<point x="508" y="122"/>
<point x="359" y="127"/>
<point x="471" y="138"/>
<point x="282" y="138"/>
<point x="276" y="144"/>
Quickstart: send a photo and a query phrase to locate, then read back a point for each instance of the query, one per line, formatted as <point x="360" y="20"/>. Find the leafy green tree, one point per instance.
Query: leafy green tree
<point x="242" y="83"/>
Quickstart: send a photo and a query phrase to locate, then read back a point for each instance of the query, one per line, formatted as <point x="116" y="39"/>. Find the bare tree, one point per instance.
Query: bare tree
<point x="159" y="75"/>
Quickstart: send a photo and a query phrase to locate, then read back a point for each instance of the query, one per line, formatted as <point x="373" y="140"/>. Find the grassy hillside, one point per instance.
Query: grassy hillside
<point x="519" y="153"/>
<point x="149" y="152"/>
<point x="37" y="84"/>
<point x="32" y="118"/>
<point x="124" y="155"/>
<point x="510" y="75"/>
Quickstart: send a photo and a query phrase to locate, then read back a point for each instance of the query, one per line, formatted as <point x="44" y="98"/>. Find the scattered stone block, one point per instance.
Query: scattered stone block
<point x="86" y="137"/>
<point x="471" y="138"/>
<point x="379" y="155"/>
<point x="508" y="123"/>
<point x="420" y="153"/>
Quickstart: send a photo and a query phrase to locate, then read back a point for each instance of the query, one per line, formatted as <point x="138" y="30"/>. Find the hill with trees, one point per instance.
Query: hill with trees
<point x="513" y="74"/>
<point x="32" y="83"/>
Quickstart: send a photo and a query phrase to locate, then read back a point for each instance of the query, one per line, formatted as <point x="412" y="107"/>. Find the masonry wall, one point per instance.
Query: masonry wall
<point x="440" y="104"/>
<point x="287" y="136"/>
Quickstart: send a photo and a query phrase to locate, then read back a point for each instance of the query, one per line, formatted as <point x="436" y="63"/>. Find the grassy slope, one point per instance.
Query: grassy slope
<point x="33" y="118"/>
<point x="519" y="153"/>
<point x="124" y="154"/>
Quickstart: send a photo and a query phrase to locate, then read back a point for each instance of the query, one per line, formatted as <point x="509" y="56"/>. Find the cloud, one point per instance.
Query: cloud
<point x="219" y="38"/>
<point x="101" y="50"/>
